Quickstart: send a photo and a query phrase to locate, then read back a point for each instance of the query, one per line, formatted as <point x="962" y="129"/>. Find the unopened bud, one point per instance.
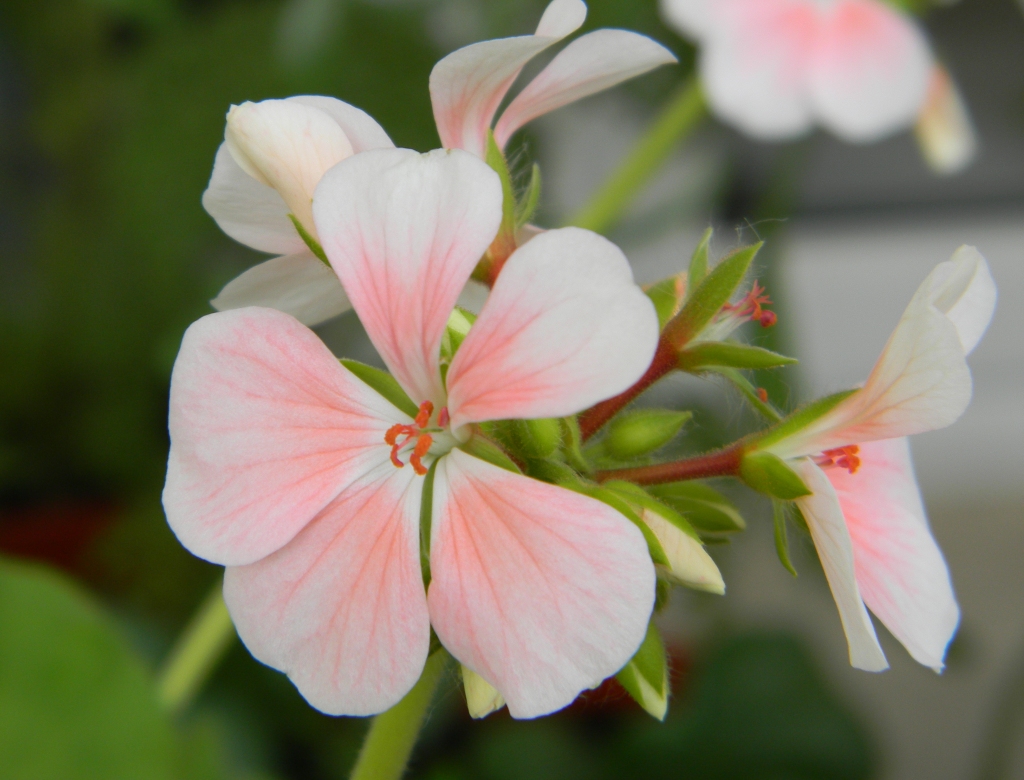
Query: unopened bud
<point x="767" y="319"/>
<point x="539" y="438"/>
<point x="769" y="474"/>
<point x="689" y="563"/>
<point x="640" y="432"/>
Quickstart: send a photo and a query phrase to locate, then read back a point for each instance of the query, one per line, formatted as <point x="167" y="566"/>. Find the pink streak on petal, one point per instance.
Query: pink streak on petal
<point x="588" y="65"/>
<point x="266" y="429"/>
<point x="404" y="231"/>
<point x="539" y="590"/>
<point x="341" y="608"/>
<point x="869" y="71"/>
<point x="568" y="282"/>
<point x="468" y="85"/>
<point x="900" y="570"/>
<point x="835" y="550"/>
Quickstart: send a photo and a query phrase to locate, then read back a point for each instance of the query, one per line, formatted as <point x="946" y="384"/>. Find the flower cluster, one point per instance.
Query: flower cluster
<point x="488" y="494"/>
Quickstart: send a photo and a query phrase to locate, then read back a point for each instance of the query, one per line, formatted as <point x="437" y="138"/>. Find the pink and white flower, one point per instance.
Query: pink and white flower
<point x="865" y="513"/>
<point x="776" y="68"/>
<point x="273" y="156"/>
<point x="467" y="86"/>
<point x="307" y="483"/>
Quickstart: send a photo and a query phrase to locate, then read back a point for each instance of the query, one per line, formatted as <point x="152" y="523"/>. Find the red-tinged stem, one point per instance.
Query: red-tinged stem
<point x="724" y="463"/>
<point x="665" y="360"/>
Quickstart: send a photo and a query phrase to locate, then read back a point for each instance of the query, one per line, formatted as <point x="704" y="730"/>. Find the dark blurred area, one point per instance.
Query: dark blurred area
<point x="110" y="114"/>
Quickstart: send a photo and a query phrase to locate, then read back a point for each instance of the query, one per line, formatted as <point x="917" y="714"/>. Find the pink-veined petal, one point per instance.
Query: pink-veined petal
<point x="754" y="64"/>
<point x="286" y="145"/>
<point x="963" y="289"/>
<point x="299" y="285"/>
<point x="404" y="231"/>
<point x="835" y="550"/>
<point x="468" y="85"/>
<point x="869" y="71"/>
<point x="944" y="130"/>
<point x="266" y="429"/>
<point x="901" y="574"/>
<point x="572" y="283"/>
<point x="541" y="591"/>
<point x="341" y="608"/>
<point x="590" y="64"/>
<point x="360" y="128"/>
<point x="247" y="210"/>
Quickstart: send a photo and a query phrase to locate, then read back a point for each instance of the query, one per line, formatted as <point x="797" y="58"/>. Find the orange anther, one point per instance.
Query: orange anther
<point x="844" y="457"/>
<point x="422" y="447"/>
<point x="392" y="435"/>
<point x="423" y="418"/>
<point x="762" y="395"/>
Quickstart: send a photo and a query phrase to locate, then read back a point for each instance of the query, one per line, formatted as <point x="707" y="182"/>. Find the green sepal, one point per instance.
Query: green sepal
<point x="662" y="593"/>
<point x="383" y="383"/>
<point x="553" y="472"/>
<point x="768" y="473"/>
<point x="495" y="158"/>
<point x="730" y="355"/>
<point x="312" y="243"/>
<point x="749" y="392"/>
<point x="485" y="449"/>
<point x="711" y="295"/>
<point x="622" y="506"/>
<point x="801" y="418"/>
<point x="705" y="508"/>
<point x="666" y="296"/>
<point x="538" y="438"/>
<point x="645" y="677"/>
<point x="426" y="515"/>
<point x="572" y="445"/>
<point x="699" y="263"/>
<point x="640" y="432"/>
<point x="781" y="537"/>
<point x="459" y="323"/>
<point x="645" y="500"/>
<point x="527" y="206"/>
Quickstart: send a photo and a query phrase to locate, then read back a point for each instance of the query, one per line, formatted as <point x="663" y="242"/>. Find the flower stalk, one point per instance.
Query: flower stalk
<point x="680" y="117"/>
<point x="200" y="647"/>
<point x="723" y="463"/>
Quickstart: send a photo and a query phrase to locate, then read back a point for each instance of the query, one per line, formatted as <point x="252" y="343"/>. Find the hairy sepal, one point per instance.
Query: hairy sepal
<point x="641" y="432"/>
<point x="699" y="262"/>
<point x="645" y="677"/>
<point x="781" y="536"/>
<point x="703" y="507"/>
<point x="667" y="297"/>
<point x="527" y="205"/>
<point x="800" y="419"/>
<point x="622" y="506"/>
<point x="730" y="355"/>
<point x="769" y="474"/>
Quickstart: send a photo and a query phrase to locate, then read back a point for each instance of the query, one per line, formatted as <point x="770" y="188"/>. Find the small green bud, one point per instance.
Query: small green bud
<point x="539" y="438"/>
<point x="641" y="432"/>
<point x="769" y="474"/>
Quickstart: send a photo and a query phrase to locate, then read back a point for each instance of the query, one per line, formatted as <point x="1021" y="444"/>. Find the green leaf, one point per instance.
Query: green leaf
<point x="666" y="296"/>
<point x="706" y="509"/>
<point x="383" y="383"/>
<point x="622" y="506"/>
<point x="781" y="537"/>
<point x="713" y="292"/>
<point x="312" y="243"/>
<point x="731" y="355"/>
<point x="699" y="263"/>
<point x="495" y="158"/>
<point x="75" y="701"/>
<point x="749" y="392"/>
<point x="645" y="677"/>
<point x="800" y="419"/>
<point x="769" y="474"/>
<point x="485" y="449"/>
<point x="528" y="204"/>
<point x="640" y="432"/>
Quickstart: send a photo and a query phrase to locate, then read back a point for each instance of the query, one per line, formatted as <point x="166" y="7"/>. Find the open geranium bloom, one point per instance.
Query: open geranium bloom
<point x="468" y="85"/>
<point x="866" y="515"/>
<point x="261" y="191"/>
<point x="774" y="68"/>
<point x="308" y="484"/>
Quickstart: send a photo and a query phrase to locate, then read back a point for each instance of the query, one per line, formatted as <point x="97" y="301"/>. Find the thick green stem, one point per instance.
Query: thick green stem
<point x="677" y="120"/>
<point x="197" y="651"/>
<point x="392" y="734"/>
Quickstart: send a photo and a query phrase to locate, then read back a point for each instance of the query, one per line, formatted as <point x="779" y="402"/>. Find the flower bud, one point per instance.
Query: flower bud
<point x="288" y="146"/>
<point x="640" y="432"/>
<point x="769" y="474"/>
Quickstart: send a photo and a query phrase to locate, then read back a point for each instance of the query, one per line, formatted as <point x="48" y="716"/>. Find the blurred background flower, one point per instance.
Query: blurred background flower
<point x="111" y="112"/>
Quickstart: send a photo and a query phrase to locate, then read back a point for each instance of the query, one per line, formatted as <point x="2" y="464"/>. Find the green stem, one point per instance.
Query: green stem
<point x="677" y="120"/>
<point x="392" y="734"/>
<point x="203" y="643"/>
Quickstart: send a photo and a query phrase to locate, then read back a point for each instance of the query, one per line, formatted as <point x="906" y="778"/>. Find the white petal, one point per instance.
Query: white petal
<point x="835" y="550"/>
<point x="588" y="65"/>
<point x="964" y="290"/>
<point x="689" y="562"/>
<point x="944" y="129"/>
<point x="247" y="210"/>
<point x="299" y="285"/>
<point x="360" y="128"/>
<point x="561" y="18"/>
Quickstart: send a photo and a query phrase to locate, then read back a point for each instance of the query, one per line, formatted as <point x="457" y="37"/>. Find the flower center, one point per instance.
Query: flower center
<point x="843" y="457"/>
<point x="418" y="438"/>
